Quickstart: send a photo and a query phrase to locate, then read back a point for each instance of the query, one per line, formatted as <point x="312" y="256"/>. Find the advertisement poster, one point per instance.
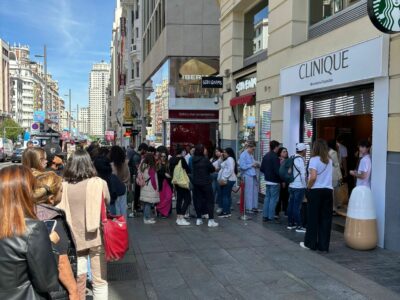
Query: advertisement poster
<point x="39" y="116"/>
<point x="109" y="136"/>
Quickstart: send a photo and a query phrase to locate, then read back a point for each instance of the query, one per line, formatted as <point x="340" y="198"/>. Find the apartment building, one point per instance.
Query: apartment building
<point x="5" y="106"/>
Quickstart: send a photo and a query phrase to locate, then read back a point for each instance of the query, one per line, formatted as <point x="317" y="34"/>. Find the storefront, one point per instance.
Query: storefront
<point x="178" y="109"/>
<point x="339" y="93"/>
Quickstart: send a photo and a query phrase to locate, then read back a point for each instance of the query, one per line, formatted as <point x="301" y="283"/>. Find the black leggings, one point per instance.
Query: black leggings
<point x="203" y="198"/>
<point x="183" y="200"/>
<point x="319" y="219"/>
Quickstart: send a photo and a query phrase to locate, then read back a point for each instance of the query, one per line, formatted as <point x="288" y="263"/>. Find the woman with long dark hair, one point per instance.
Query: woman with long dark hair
<point x="282" y="204"/>
<point x="83" y="194"/>
<point x="149" y="191"/>
<point x="320" y="197"/>
<point x="202" y="191"/>
<point x="227" y="179"/>
<point x="164" y="181"/>
<point x="28" y="267"/>
<point x="216" y="160"/>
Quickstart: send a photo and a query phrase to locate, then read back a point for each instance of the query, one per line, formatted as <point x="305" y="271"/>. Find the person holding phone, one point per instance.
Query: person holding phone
<point x="28" y="267"/>
<point x="47" y="194"/>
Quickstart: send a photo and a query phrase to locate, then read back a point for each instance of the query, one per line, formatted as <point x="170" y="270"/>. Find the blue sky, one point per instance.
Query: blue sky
<point x="77" y="34"/>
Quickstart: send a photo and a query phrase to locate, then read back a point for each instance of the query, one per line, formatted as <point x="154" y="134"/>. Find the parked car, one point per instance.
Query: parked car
<point x="6" y="149"/>
<point x="17" y="155"/>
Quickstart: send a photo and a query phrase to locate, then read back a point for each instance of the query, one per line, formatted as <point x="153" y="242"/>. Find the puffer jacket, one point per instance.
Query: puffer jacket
<point x="202" y="169"/>
<point x="148" y="193"/>
<point x="28" y="267"/>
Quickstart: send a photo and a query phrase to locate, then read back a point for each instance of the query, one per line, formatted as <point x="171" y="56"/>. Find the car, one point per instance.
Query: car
<point x="17" y="155"/>
<point x="6" y="149"/>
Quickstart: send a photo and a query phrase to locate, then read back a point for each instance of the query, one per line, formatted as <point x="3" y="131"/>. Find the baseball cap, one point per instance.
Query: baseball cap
<point x="301" y="147"/>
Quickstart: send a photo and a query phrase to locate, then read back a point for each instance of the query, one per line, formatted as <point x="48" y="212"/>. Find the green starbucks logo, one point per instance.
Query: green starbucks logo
<point x="385" y="15"/>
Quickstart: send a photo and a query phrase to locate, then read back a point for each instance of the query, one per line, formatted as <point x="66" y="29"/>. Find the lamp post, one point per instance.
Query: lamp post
<point x="45" y="77"/>
<point x="69" y="119"/>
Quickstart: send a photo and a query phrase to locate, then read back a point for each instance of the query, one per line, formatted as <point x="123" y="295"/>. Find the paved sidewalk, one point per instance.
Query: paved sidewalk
<point x="238" y="260"/>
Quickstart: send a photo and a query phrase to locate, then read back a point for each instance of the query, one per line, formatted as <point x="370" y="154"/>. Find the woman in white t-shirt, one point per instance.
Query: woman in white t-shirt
<point x="363" y="172"/>
<point x="227" y="179"/>
<point x="320" y="197"/>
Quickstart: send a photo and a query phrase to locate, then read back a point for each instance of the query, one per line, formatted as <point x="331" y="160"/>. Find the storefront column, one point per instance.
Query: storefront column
<point x="379" y="152"/>
<point x="291" y="122"/>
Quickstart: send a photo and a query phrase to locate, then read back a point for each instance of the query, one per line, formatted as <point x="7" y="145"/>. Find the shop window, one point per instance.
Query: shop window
<point x="255" y="29"/>
<point x="322" y="9"/>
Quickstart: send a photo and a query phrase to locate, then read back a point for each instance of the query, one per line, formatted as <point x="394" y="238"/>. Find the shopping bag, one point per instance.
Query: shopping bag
<point x="115" y="235"/>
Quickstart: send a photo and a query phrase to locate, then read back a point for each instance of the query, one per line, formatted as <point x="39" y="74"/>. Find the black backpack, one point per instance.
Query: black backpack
<point x="286" y="170"/>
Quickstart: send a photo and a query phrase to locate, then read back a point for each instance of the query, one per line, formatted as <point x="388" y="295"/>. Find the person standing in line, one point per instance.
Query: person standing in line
<point x="270" y="168"/>
<point x="320" y="198"/>
<point x="282" y="205"/>
<point x="337" y="173"/>
<point x="34" y="159"/>
<point x="134" y="164"/>
<point x="82" y="198"/>
<point x="248" y="167"/>
<point x="120" y="168"/>
<point x="342" y="152"/>
<point x="149" y="194"/>
<point x="183" y="196"/>
<point x="363" y="172"/>
<point x="297" y="189"/>
<point x="165" y="184"/>
<point x="28" y="267"/>
<point x="216" y="160"/>
<point x="202" y="191"/>
<point x="227" y="179"/>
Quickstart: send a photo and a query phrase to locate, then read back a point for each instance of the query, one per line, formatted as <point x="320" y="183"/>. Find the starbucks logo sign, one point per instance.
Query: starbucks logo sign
<point x="385" y="15"/>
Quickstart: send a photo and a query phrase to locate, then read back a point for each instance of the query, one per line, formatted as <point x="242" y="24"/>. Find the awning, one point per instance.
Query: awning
<point x="246" y="99"/>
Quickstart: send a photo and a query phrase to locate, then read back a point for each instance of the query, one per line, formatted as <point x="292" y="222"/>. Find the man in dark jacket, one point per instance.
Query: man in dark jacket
<point x="270" y="167"/>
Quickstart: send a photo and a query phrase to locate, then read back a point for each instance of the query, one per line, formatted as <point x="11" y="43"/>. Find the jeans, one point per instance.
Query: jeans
<point x="120" y="206"/>
<point x="216" y="189"/>
<point x="270" y="201"/>
<point x="227" y="197"/>
<point x="146" y="210"/>
<point x="296" y="197"/>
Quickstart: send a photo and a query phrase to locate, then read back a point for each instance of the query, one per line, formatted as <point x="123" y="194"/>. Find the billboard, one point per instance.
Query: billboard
<point x="39" y="116"/>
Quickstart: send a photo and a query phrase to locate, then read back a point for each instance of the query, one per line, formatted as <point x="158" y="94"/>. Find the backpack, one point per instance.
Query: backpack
<point x="134" y="162"/>
<point x="286" y="170"/>
<point x="180" y="178"/>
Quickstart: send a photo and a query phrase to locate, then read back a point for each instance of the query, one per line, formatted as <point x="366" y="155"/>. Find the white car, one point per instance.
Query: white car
<point x="6" y="149"/>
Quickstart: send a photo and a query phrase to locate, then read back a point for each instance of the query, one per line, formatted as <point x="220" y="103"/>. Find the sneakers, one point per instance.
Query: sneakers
<point x="199" y="222"/>
<point x="187" y="216"/>
<point x="149" y="221"/>
<point x="204" y="216"/>
<point x="224" y="215"/>
<point x="219" y="210"/>
<point x="182" y="222"/>
<point x="304" y="246"/>
<point x="290" y="227"/>
<point x="256" y="210"/>
<point x="131" y="215"/>
<point x="250" y="212"/>
<point x="300" y="229"/>
<point x="212" y="223"/>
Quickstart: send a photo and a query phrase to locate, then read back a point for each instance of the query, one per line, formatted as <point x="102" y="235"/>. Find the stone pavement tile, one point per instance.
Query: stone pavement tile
<point x="309" y="295"/>
<point x="252" y="291"/>
<point x="175" y="294"/>
<point x="161" y="260"/>
<point x="173" y="242"/>
<point x="282" y="282"/>
<point x="235" y="275"/>
<point x="208" y="289"/>
<point x="164" y="279"/>
<point x="151" y="246"/>
<point x="127" y="290"/>
<point x="216" y="257"/>
<point x="251" y="260"/>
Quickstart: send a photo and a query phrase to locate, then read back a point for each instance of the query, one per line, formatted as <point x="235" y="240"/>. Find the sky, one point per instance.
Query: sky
<point x="77" y="34"/>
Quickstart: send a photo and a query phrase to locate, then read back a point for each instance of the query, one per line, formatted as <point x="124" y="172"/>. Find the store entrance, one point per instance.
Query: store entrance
<point x="352" y="129"/>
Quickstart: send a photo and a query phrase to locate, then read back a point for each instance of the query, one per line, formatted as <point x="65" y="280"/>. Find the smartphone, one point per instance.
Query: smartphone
<point x="50" y="224"/>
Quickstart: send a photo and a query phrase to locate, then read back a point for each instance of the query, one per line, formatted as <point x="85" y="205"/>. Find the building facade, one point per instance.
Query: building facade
<point x="180" y="46"/>
<point x="5" y="104"/>
<point x="83" y="120"/>
<point x="312" y="82"/>
<point x="98" y="81"/>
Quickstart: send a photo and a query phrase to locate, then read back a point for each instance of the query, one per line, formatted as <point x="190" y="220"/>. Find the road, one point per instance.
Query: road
<point x="5" y="164"/>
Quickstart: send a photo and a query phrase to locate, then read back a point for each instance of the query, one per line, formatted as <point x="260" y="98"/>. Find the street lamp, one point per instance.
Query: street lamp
<point x="69" y="121"/>
<point x="45" y="76"/>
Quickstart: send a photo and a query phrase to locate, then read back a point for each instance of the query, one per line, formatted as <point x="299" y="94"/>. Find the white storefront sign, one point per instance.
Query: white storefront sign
<point x="246" y="84"/>
<point x="357" y="63"/>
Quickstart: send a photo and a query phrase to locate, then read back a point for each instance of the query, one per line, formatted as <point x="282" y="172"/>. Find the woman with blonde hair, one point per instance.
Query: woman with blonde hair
<point x="47" y="194"/>
<point x="320" y="197"/>
<point x="27" y="266"/>
<point x="82" y="198"/>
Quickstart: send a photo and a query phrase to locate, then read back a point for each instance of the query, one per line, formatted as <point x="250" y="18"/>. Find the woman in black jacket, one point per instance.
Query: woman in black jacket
<point x="202" y="190"/>
<point x="27" y="266"/>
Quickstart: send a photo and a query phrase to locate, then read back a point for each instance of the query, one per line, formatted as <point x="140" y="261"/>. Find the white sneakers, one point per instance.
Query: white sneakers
<point x="199" y="222"/>
<point x="182" y="222"/>
<point x="302" y="245"/>
<point x="204" y="216"/>
<point x="212" y="223"/>
<point x="149" y="221"/>
<point x="219" y="210"/>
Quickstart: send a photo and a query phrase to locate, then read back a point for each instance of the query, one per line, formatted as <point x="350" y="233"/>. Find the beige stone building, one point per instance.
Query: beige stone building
<point x="326" y="72"/>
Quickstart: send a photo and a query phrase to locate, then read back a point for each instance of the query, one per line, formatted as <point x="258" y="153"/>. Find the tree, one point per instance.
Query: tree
<point x="12" y="129"/>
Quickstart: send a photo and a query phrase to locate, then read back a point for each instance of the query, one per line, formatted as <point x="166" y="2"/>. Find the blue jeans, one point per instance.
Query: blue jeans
<point x="146" y="210"/>
<point x="121" y="207"/>
<point x="296" y="197"/>
<point x="270" y="200"/>
<point x="216" y="189"/>
<point x="226" y="192"/>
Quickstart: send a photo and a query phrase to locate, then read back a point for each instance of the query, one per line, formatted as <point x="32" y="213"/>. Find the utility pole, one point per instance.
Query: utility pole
<point x="77" y="119"/>
<point x="70" y="113"/>
<point x="45" y="81"/>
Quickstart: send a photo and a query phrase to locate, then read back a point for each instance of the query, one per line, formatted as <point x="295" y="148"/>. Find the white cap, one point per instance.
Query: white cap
<point x="301" y="147"/>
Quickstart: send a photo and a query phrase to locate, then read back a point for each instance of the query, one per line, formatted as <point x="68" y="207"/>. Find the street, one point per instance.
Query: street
<point x="244" y="260"/>
<point x="6" y="164"/>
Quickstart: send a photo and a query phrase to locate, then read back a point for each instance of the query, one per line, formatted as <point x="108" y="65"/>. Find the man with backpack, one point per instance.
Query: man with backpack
<point x="270" y="168"/>
<point x="134" y="163"/>
<point x="296" y="178"/>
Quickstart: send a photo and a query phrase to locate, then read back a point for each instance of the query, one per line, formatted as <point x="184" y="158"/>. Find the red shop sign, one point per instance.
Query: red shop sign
<point x="193" y="114"/>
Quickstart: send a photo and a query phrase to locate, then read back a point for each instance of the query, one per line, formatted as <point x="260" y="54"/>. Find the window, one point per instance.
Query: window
<point x="137" y="32"/>
<point x="255" y="28"/>
<point x="137" y="69"/>
<point x="133" y="73"/>
<point x="322" y="9"/>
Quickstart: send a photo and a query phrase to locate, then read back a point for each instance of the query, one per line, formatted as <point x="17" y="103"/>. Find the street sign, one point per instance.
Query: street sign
<point x="216" y="82"/>
<point x="385" y="15"/>
<point x="35" y="128"/>
<point x="53" y="116"/>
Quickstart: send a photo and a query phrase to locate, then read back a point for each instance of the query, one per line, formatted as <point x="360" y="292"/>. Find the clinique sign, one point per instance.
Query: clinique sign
<point x="324" y="65"/>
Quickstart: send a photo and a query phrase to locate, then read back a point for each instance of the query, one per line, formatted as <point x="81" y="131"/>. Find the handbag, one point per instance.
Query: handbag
<point x="341" y="194"/>
<point x="222" y="182"/>
<point x="115" y="234"/>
